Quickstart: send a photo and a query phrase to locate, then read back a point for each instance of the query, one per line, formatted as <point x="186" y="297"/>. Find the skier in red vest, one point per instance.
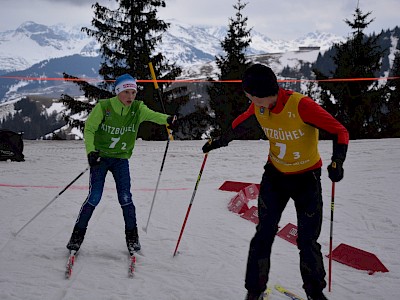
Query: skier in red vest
<point x="291" y="122"/>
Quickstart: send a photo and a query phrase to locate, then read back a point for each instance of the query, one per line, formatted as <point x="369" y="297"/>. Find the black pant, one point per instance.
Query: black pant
<point x="275" y="191"/>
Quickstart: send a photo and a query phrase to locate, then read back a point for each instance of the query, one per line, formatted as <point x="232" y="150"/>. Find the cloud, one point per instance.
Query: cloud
<point x="276" y="19"/>
<point x="75" y="2"/>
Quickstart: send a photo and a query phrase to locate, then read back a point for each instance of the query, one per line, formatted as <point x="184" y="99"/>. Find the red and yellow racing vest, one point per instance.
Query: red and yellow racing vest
<point x="293" y="143"/>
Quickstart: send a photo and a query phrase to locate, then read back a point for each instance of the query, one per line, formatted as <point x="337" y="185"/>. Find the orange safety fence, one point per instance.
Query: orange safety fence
<point x="194" y="80"/>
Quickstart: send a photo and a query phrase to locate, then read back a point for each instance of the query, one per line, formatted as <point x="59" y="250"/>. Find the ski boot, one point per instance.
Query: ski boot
<point x="132" y="240"/>
<point x="78" y="234"/>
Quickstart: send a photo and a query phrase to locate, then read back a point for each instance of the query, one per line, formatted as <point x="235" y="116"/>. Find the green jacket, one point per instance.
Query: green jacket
<point x="111" y="127"/>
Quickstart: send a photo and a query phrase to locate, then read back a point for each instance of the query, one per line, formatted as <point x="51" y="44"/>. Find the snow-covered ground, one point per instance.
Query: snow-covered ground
<point x="213" y="250"/>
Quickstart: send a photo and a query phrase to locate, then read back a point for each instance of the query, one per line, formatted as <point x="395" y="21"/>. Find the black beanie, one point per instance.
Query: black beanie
<point x="260" y="81"/>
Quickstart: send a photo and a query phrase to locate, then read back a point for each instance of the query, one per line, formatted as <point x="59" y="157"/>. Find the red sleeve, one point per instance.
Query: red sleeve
<point x="312" y="113"/>
<point x="244" y="116"/>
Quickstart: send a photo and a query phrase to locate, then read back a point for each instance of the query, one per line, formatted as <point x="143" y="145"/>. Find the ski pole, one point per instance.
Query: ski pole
<point x="153" y="75"/>
<point x="191" y="202"/>
<point x="58" y="195"/>
<point x="156" y="189"/>
<point x="331" y="235"/>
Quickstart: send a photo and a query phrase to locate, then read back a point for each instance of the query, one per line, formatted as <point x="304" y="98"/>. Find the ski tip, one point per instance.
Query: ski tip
<point x="67" y="275"/>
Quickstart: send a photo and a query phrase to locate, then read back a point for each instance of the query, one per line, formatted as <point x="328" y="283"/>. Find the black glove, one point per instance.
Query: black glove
<point x="335" y="170"/>
<point x="94" y="158"/>
<point x="173" y="122"/>
<point x="214" y="144"/>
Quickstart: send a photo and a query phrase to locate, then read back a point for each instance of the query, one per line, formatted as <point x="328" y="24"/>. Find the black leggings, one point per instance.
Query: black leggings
<point x="275" y="191"/>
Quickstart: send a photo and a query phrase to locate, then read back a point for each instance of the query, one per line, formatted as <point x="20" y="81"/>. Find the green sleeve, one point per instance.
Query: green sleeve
<point x="91" y="125"/>
<point x="146" y="114"/>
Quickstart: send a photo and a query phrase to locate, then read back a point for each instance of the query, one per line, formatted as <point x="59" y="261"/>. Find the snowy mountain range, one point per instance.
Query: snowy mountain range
<point x="183" y="44"/>
<point x="40" y="51"/>
<point x="32" y="43"/>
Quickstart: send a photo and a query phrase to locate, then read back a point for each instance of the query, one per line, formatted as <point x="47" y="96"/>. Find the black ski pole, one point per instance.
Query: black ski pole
<point x="331" y="235"/>
<point x="58" y="195"/>
<point x="153" y="75"/>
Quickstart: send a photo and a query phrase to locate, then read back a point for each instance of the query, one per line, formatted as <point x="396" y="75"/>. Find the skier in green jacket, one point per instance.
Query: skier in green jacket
<point x="110" y="134"/>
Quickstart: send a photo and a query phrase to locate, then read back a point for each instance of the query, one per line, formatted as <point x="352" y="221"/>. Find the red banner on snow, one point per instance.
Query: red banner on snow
<point x="251" y="192"/>
<point x="235" y="186"/>
<point x="289" y="233"/>
<point x="238" y="204"/>
<point x="251" y="214"/>
<point x="357" y="258"/>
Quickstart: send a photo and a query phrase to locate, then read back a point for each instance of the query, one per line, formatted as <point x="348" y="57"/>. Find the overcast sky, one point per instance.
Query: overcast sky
<point x="283" y="19"/>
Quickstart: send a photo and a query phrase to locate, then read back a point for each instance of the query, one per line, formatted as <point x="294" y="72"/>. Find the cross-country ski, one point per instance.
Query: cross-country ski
<point x="70" y="264"/>
<point x="132" y="265"/>
<point x="287" y="293"/>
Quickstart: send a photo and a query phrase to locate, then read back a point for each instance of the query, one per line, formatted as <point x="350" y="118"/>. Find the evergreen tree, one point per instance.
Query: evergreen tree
<point x="392" y="116"/>
<point x="128" y="37"/>
<point x="30" y="119"/>
<point x="227" y="100"/>
<point x="194" y="117"/>
<point x="357" y="104"/>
